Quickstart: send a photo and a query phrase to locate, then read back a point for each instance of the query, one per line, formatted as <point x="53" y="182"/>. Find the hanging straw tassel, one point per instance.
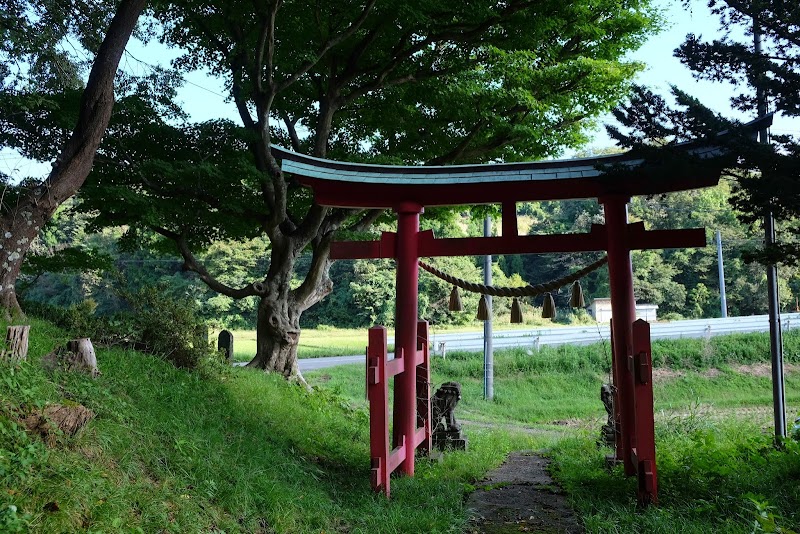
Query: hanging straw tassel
<point x="483" y="309"/>
<point x="516" y="312"/>
<point x="548" y="307"/>
<point x="455" y="301"/>
<point x="576" y="297"/>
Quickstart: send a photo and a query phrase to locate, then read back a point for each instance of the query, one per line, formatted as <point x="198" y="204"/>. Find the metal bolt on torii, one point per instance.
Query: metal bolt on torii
<point x="407" y="189"/>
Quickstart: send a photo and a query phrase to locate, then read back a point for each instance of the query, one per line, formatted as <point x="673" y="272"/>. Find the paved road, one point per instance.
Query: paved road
<point x="311" y="364"/>
<point x="576" y="335"/>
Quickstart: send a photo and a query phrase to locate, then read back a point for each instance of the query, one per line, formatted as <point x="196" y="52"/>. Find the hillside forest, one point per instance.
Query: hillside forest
<point x="684" y="283"/>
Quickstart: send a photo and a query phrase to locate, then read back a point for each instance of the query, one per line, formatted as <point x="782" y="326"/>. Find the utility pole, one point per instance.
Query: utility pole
<point x="488" y="353"/>
<point x="723" y="303"/>
<point x="775" y="341"/>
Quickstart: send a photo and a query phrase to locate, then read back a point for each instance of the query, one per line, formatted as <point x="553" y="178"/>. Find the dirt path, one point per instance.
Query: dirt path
<point x="520" y="496"/>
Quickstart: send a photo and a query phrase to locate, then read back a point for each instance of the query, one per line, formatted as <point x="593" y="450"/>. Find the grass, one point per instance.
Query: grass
<point x="713" y="477"/>
<point x="177" y="451"/>
<point x="314" y="343"/>
<point x="330" y="341"/>
<point x="234" y="450"/>
<point x="718" y="468"/>
<point x="563" y="383"/>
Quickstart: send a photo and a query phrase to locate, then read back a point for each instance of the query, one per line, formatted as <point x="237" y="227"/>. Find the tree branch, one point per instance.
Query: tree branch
<point x="766" y="23"/>
<point x="306" y="66"/>
<point x="317" y="283"/>
<point x="191" y="264"/>
<point x="290" y="127"/>
<point x="266" y="44"/>
<point x="459" y="149"/>
<point x="367" y="220"/>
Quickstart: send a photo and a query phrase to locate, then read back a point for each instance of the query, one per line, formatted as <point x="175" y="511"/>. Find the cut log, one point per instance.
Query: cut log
<point x="16" y="348"/>
<point x="78" y="355"/>
<point x="58" y="419"/>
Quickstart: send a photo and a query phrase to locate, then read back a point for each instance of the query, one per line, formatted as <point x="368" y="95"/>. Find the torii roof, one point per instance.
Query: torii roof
<point x="363" y="185"/>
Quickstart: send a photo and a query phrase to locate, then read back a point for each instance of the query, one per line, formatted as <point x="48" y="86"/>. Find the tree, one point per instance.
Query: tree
<point x="775" y="69"/>
<point x="407" y="82"/>
<point x="29" y="205"/>
<point x="761" y="171"/>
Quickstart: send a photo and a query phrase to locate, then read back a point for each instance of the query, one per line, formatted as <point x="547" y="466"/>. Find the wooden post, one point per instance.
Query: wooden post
<point x="378" y="393"/>
<point x="405" y="385"/>
<point x="645" y="450"/>
<point x="424" y="387"/>
<point x="16" y="343"/>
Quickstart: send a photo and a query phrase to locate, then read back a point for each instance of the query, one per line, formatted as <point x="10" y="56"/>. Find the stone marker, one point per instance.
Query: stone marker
<point x="225" y="344"/>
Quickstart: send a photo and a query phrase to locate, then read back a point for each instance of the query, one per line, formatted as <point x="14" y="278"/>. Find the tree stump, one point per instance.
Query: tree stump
<point x="58" y="419"/>
<point x="78" y="355"/>
<point x="16" y="343"/>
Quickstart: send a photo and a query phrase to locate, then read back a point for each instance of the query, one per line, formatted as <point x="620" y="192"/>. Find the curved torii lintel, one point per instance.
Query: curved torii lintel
<point x="361" y="185"/>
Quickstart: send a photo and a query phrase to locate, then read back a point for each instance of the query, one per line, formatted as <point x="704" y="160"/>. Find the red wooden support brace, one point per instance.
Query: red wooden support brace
<point x="645" y="428"/>
<point x="378" y="394"/>
<point x="424" y="387"/>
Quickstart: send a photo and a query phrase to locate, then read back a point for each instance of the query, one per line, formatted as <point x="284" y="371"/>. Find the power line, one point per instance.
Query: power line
<point x="154" y="68"/>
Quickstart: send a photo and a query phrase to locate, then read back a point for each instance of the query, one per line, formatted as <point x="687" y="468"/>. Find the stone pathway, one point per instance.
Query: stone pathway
<point x="520" y="496"/>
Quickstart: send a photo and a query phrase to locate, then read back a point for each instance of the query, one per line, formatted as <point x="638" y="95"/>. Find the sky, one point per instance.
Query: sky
<point x="202" y="96"/>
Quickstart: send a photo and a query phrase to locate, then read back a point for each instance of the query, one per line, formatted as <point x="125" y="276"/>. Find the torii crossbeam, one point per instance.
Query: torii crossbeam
<point x="613" y="180"/>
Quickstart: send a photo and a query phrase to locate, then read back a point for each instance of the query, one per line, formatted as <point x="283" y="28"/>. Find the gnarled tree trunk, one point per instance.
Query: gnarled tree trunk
<point x="278" y="333"/>
<point x="279" y="310"/>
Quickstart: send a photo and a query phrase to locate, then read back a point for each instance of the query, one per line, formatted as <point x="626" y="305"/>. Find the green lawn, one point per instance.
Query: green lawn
<point x="313" y="343"/>
<point x="326" y="341"/>
<point x="235" y="450"/>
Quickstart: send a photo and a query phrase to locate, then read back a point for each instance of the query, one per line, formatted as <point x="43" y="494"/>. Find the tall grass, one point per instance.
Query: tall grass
<point x="713" y="477"/>
<point x="240" y="451"/>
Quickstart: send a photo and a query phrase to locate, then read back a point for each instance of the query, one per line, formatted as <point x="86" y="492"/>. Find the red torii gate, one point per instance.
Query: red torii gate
<point x="406" y="190"/>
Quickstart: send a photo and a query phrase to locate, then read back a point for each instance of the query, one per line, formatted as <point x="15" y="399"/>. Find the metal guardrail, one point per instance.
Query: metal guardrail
<point x="588" y="334"/>
<point x="576" y="335"/>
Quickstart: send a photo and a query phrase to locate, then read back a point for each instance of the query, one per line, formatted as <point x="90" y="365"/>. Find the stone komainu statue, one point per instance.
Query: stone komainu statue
<point x="444" y="404"/>
<point x="608" y="434"/>
<point x="446" y="431"/>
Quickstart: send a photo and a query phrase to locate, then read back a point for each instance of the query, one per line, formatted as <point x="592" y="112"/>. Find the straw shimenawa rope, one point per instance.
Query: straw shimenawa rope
<point x="525" y="291"/>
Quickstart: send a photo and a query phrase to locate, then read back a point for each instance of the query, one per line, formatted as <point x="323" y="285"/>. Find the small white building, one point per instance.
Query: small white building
<point x="600" y="309"/>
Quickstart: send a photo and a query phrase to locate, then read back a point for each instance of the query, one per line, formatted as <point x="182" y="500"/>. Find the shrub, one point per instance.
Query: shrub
<point x="154" y="323"/>
<point x="167" y="327"/>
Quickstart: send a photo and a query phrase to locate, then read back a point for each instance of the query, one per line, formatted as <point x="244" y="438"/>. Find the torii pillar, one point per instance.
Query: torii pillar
<point x="405" y="391"/>
<point x="631" y="357"/>
<point x="623" y="311"/>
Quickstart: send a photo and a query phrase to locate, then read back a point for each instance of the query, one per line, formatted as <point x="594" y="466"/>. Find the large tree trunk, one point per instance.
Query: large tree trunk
<point x="278" y="333"/>
<point x="21" y="224"/>
<point x="280" y="307"/>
